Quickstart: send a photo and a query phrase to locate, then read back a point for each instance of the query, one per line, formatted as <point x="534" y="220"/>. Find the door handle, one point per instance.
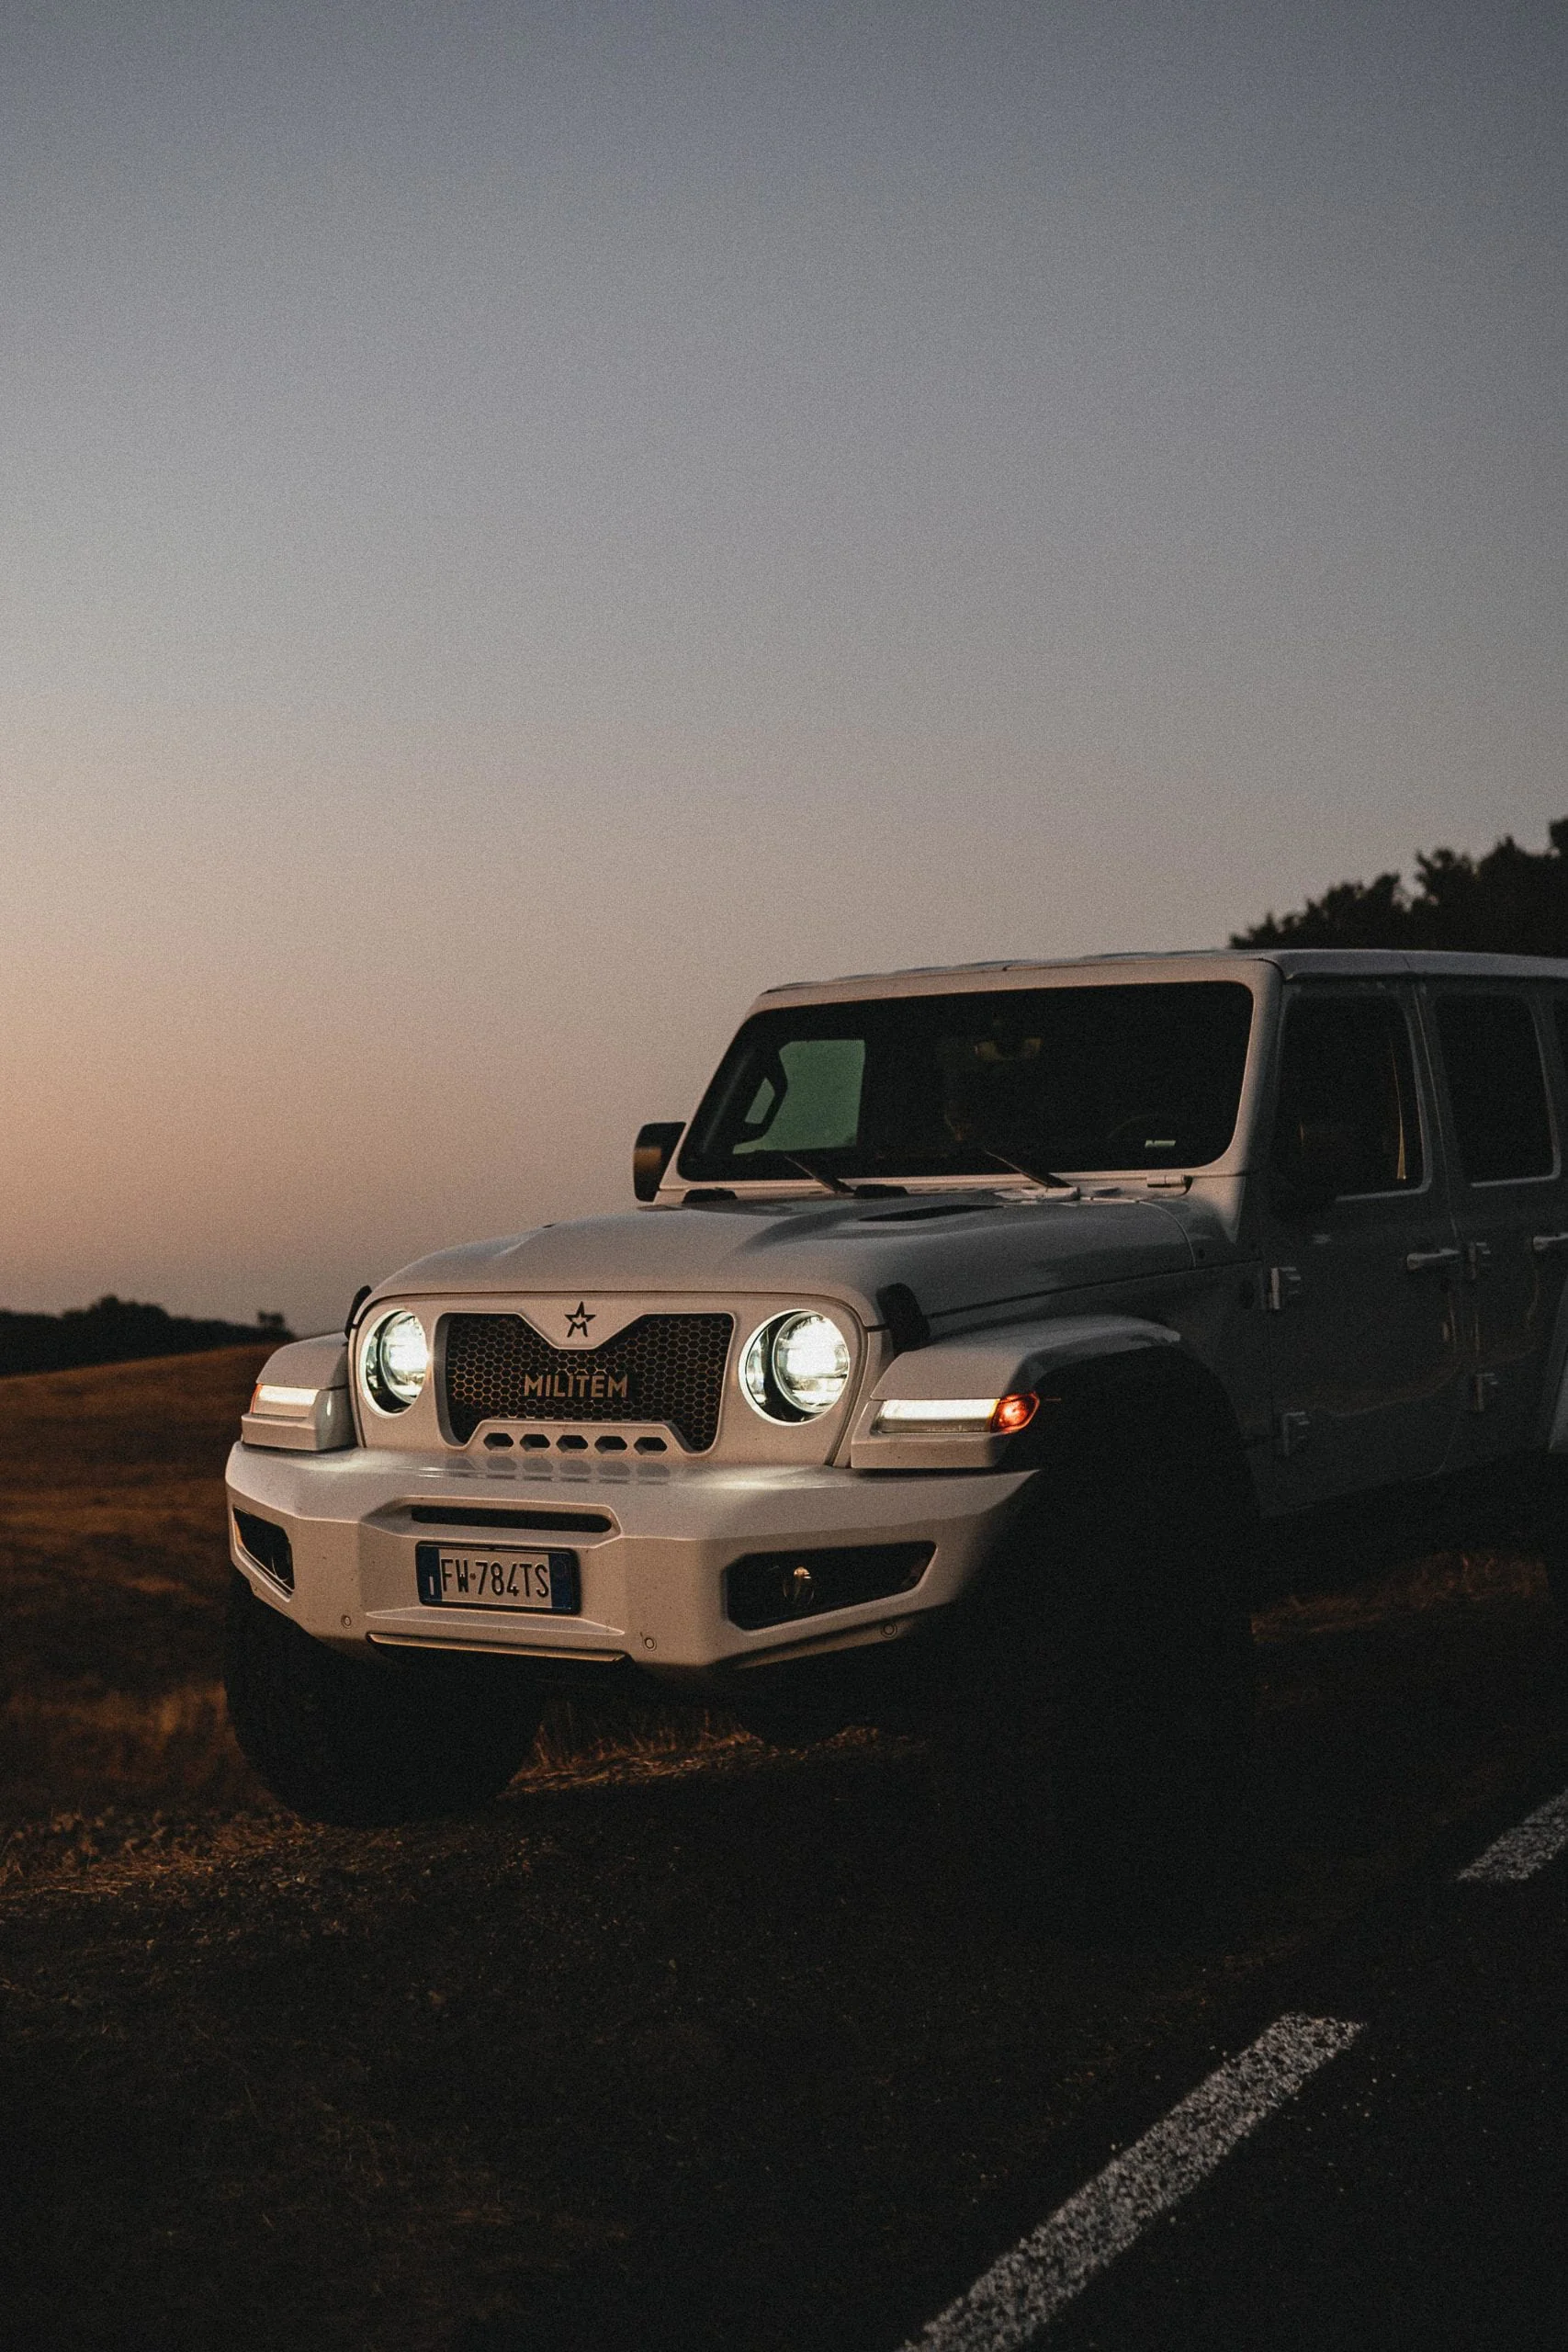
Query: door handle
<point x="1284" y="1284"/>
<point x="1422" y="1262"/>
<point x="1541" y="1242"/>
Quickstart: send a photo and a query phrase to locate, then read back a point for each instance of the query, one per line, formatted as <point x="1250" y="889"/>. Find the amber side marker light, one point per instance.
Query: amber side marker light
<point x="1014" y="1413"/>
<point x="954" y="1416"/>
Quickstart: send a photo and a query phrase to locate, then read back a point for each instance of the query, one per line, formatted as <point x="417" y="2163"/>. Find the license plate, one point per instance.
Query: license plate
<point x="490" y="1576"/>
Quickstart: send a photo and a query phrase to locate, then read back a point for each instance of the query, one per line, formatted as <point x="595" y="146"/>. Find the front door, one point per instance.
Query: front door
<point x="1363" y="1265"/>
<point x="1510" y="1200"/>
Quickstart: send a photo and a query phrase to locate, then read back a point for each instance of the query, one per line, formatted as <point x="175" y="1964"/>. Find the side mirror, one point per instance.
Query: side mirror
<point x="652" y="1154"/>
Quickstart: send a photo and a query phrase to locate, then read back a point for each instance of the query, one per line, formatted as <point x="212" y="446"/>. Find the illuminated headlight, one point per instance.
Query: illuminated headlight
<point x="795" y="1367"/>
<point x="395" y="1362"/>
<point x="954" y="1416"/>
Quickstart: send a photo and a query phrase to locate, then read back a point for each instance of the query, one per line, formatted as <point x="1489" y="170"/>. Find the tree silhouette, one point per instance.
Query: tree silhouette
<point x="118" y="1330"/>
<point x="1512" y="901"/>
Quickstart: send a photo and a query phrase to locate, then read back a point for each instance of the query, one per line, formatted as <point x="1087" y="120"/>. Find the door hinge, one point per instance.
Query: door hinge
<point x="1477" y="1258"/>
<point x="1482" y="1389"/>
<point x="1284" y="1284"/>
<point x="1294" y="1429"/>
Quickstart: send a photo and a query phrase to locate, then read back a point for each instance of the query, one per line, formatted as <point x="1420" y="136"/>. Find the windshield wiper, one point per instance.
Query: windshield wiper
<point x="832" y="1183"/>
<point x="818" y="1175"/>
<point x="1035" y="1175"/>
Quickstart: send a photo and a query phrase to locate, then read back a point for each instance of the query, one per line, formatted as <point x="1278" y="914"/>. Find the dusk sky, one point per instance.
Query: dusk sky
<point x="524" y="526"/>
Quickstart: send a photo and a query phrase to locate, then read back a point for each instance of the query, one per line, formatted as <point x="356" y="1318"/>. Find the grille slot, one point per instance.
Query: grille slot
<point x="575" y="1522"/>
<point x="665" y="1368"/>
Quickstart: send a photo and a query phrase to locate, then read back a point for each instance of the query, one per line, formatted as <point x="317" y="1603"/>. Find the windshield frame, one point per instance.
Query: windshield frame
<point x="1259" y="977"/>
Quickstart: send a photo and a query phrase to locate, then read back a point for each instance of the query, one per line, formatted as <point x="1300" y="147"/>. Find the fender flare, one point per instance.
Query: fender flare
<point x="1068" y="1361"/>
<point x="1106" y="1384"/>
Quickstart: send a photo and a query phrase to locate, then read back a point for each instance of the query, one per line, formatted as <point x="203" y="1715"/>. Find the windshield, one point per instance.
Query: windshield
<point x="1054" y="1079"/>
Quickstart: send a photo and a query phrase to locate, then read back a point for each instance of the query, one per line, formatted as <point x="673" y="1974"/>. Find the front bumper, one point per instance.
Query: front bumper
<point x="653" y="1577"/>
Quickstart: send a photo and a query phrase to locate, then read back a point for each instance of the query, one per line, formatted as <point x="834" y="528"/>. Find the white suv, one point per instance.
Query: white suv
<point x="965" y="1339"/>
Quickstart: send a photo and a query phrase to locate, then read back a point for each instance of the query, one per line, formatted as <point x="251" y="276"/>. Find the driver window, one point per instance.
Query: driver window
<point x="1348" y="1116"/>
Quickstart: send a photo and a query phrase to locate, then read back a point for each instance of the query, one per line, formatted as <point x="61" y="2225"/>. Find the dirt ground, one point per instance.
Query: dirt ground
<point x="681" y="2043"/>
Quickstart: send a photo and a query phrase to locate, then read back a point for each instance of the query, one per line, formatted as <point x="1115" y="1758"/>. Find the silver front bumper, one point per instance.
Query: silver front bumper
<point x="652" y="1583"/>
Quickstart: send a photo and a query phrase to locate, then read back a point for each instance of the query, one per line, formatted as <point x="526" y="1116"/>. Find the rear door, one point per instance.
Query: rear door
<point x="1365" y="1355"/>
<point x="1510" y="1200"/>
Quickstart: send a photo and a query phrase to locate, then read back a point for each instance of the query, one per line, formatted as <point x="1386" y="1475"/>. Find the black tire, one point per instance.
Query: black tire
<point x="1096" y="1731"/>
<point x="1554" y="1550"/>
<point x="338" y="1741"/>
<point x="1550" y="1513"/>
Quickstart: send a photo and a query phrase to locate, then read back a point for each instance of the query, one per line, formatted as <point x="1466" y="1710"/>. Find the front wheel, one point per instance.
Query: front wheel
<point x="338" y="1741"/>
<point x="1099" y="1727"/>
<point x="1551" y="1500"/>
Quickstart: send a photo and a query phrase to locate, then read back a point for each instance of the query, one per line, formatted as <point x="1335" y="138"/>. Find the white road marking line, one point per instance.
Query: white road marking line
<point x="1007" y="2307"/>
<point x="1520" y="1852"/>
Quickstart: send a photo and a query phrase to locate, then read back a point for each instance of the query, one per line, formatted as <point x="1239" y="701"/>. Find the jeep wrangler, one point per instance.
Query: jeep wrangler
<point x="967" y="1349"/>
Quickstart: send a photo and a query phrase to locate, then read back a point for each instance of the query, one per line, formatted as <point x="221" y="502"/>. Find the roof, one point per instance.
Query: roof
<point x="1293" y="963"/>
<point x="1434" y="963"/>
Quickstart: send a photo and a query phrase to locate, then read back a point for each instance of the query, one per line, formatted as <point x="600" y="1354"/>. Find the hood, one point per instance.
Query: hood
<point x="959" y="1253"/>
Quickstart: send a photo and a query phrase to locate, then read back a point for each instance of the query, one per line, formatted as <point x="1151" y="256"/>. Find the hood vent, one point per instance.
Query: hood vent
<point x="937" y="1209"/>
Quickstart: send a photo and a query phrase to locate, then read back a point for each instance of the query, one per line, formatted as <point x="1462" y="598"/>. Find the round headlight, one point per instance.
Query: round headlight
<point x="795" y="1367"/>
<point x="395" y="1362"/>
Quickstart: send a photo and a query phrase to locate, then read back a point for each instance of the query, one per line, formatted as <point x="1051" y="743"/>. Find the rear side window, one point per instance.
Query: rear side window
<point x="1497" y="1086"/>
<point x="1347" y="1103"/>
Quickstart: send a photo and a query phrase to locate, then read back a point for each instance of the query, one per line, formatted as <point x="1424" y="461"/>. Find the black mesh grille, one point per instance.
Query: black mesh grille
<point x="665" y="1368"/>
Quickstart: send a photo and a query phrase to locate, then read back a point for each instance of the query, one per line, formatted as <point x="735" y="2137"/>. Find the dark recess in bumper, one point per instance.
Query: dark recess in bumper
<point x="778" y="1588"/>
<point x="267" y="1546"/>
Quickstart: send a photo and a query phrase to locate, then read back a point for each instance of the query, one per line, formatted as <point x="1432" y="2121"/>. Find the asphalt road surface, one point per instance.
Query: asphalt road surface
<point x="1384" y="2162"/>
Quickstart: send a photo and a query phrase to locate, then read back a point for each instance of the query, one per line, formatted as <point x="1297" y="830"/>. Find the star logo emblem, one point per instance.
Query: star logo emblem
<point x="578" y="1320"/>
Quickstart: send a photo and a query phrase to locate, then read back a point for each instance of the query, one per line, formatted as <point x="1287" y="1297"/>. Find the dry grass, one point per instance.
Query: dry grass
<point x="131" y="1746"/>
<point x="1443" y="1580"/>
<point x="113" y="1562"/>
<point x="113" y="1571"/>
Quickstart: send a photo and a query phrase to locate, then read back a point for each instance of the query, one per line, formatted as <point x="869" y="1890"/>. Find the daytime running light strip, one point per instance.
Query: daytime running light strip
<point x="950" y="1412"/>
<point x="270" y="1398"/>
